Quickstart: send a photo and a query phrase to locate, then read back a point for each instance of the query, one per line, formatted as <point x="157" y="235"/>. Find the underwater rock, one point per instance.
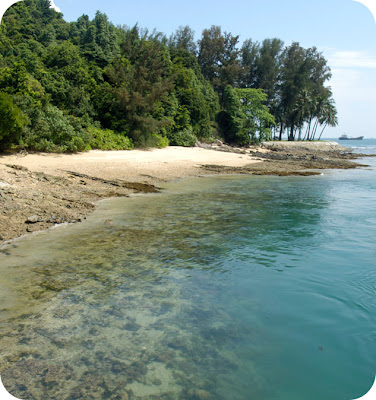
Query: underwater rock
<point x="164" y="356"/>
<point x="61" y="313"/>
<point x="89" y="388"/>
<point x="94" y="331"/>
<point x="29" y="378"/>
<point x="89" y="344"/>
<point x="159" y="325"/>
<point x="132" y="326"/>
<point x="165" y="308"/>
<point x="136" y="370"/>
<point x="177" y="343"/>
<point x="118" y="367"/>
<point x="198" y="394"/>
<point x="54" y="286"/>
<point x="156" y="382"/>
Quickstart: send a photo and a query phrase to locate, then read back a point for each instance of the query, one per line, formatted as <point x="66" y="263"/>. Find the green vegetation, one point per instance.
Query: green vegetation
<point x="67" y="87"/>
<point x="105" y="139"/>
<point x="245" y="118"/>
<point x="12" y="121"/>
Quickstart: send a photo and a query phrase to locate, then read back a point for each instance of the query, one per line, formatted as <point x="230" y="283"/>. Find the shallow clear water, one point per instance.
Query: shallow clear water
<point x="223" y="288"/>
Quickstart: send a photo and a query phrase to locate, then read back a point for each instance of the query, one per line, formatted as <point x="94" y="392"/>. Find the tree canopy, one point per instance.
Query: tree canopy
<point x="88" y="84"/>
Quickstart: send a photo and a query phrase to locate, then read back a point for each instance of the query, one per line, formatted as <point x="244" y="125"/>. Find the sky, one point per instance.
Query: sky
<point x="343" y="30"/>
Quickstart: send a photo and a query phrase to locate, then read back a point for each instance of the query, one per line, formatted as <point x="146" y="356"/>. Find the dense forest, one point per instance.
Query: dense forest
<point x="91" y="85"/>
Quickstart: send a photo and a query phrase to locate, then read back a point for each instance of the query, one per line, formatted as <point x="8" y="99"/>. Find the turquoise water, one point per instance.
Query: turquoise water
<point x="219" y="288"/>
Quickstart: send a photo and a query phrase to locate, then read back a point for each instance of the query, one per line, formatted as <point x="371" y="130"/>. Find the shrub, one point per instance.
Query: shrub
<point x="161" y="141"/>
<point x="185" y="138"/>
<point x="106" y="139"/>
<point x="12" y="121"/>
<point x="52" y="131"/>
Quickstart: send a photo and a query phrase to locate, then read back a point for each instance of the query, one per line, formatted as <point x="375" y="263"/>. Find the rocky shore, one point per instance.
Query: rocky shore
<point x="38" y="191"/>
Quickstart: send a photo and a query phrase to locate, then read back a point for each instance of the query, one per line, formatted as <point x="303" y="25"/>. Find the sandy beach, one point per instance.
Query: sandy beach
<point x="38" y="191"/>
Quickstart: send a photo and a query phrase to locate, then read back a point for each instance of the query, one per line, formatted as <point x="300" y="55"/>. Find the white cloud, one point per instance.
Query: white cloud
<point x="53" y="5"/>
<point x="351" y="59"/>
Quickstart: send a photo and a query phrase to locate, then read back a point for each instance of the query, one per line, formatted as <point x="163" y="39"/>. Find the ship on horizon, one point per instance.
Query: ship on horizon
<point x="345" y="137"/>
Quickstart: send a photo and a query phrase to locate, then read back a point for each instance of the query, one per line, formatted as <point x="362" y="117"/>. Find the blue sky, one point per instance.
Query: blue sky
<point x="344" y="30"/>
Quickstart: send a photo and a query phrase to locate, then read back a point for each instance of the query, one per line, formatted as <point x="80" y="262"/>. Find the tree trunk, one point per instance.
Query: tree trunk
<point x="314" y="129"/>
<point x="308" y="130"/>
<point x="280" y="132"/>
<point x="300" y="133"/>
<point x="323" y="130"/>
<point x="291" y="135"/>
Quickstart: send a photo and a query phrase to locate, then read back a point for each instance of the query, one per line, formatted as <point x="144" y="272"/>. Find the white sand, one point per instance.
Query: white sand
<point x="131" y="165"/>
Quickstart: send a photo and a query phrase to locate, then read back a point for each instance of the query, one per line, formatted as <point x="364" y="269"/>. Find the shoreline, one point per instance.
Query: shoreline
<point x="40" y="191"/>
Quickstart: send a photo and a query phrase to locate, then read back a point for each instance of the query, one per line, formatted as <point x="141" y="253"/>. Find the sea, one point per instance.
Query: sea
<point x="221" y="287"/>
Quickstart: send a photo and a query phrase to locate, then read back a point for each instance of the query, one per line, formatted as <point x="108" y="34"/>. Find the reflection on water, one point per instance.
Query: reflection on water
<point x="163" y="296"/>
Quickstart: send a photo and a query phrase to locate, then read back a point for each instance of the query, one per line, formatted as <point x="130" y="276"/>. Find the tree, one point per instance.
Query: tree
<point x="194" y="93"/>
<point x="68" y="81"/>
<point x="302" y="89"/>
<point x="98" y="40"/>
<point x="328" y="115"/>
<point x="293" y="80"/>
<point x="258" y="120"/>
<point x="89" y="75"/>
<point x="231" y="119"/>
<point x="245" y="117"/>
<point x="249" y="55"/>
<point x="218" y="58"/>
<point x="267" y="69"/>
<point x="12" y="121"/>
<point x="141" y="81"/>
<point x="303" y="109"/>
<point x="183" y="38"/>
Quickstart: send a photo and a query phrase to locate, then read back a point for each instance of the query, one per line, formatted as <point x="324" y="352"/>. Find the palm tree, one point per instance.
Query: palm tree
<point x="302" y="108"/>
<point x="328" y="115"/>
<point x="312" y="112"/>
<point x="320" y="106"/>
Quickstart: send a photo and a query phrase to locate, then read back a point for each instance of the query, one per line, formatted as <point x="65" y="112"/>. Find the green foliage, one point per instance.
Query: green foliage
<point x="195" y="95"/>
<point x="52" y="131"/>
<point x="185" y="138"/>
<point x="17" y="80"/>
<point x="141" y="82"/>
<point x="105" y="139"/>
<point x="183" y="39"/>
<point x="219" y="58"/>
<point x="245" y="118"/>
<point x="67" y="78"/>
<point x="302" y="90"/>
<point x="12" y="121"/>
<point x="232" y="118"/>
<point x="161" y="141"/>
<point x="98" y="40"/>
<point x="258" y="121"/>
